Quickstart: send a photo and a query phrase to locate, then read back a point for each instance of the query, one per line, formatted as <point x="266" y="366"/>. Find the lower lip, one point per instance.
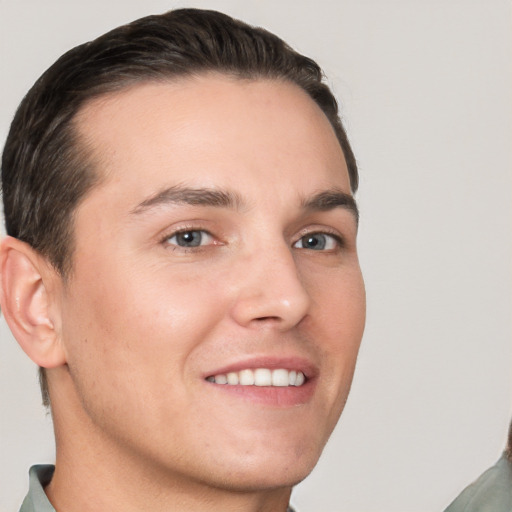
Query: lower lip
<point x="273" y="396"/>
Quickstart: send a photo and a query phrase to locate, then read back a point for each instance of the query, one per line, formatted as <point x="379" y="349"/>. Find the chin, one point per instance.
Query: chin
<point x="266" y="472"/>
<point x="265" y="479"/>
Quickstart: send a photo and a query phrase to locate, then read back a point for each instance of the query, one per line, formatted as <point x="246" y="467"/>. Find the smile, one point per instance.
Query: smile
<point x="260" y="377"/>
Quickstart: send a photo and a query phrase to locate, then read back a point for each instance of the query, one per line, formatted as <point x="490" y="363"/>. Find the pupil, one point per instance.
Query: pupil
<point x="314" y="242"/>
<point x="189" y="238"/>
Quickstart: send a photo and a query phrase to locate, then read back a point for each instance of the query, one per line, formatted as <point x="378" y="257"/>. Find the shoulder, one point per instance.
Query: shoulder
<point x="492" y="491"/>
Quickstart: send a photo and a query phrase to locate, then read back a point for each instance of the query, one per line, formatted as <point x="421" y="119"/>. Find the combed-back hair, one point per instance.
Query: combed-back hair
<point x="47" y="170"/>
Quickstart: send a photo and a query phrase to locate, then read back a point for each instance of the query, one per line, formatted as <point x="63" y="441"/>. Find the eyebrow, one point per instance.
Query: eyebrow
<point x="192" y="196"/>
<point x="204" y="196"/>
<point x="331" y="199"/>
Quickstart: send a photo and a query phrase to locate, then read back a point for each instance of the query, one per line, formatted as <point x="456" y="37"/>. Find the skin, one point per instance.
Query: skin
<point x="142" y="321"/>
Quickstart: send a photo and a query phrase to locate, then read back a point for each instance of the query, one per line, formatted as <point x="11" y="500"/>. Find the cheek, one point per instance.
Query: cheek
<point x="125" y="322"/>
<point x="340" y="301"/>
<point x="348" y="317"/>
<point x="339" y="324"/>
<point x="137" y="339"/>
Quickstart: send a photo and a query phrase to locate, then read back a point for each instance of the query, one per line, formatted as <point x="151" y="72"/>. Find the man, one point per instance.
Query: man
<point x="492" y="491"/>
<point x="181" y="264"/>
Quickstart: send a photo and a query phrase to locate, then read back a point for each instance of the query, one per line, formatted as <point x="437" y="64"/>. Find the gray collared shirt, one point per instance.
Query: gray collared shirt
<point x="36" y="500"/>
<point x="492" y="492"/>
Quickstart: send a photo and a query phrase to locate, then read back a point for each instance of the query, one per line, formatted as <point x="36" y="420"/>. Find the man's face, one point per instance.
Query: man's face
<point x="220" y="246"/>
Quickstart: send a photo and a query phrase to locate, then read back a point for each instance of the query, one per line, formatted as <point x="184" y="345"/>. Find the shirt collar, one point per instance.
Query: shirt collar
<point x="36" y="500"/>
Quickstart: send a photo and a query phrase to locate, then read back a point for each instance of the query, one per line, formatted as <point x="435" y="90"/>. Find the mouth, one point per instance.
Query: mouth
<point x="267" y="381"/>
<point x="262" y="377"/>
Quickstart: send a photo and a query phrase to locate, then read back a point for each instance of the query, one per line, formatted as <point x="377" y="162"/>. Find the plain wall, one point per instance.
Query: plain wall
<point x="425" y="93"/>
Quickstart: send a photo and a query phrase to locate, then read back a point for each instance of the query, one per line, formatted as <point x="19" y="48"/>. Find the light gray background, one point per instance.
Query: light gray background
<point x="425" y="90"/>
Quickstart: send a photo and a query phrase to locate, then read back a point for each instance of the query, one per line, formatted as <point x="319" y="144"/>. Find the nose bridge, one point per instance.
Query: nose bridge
<point x="271" y="288"/>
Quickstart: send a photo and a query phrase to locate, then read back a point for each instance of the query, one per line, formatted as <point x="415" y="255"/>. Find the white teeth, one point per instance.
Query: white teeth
<point x="300" y="379"/>
<point x="280" y="378"/>
<point x="246" y="378"/>
<point x="221" y="379"/>
<point x="260" y="377"/>
<point x="232" y="378"/>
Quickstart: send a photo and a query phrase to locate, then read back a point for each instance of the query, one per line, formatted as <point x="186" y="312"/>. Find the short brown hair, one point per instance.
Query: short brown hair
<point x="46" y="172"/>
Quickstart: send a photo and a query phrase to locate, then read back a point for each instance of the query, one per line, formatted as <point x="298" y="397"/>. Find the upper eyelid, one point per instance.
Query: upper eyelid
<point x="187" y="230"/>
<point x="339" y="238"/>
<point x="167" y="233"/>
<point x="180" y="231"/>
<point x="320" y="230"/>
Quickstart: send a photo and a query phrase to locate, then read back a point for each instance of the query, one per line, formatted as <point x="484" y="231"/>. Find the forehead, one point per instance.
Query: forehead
<point x="208" y="129"/>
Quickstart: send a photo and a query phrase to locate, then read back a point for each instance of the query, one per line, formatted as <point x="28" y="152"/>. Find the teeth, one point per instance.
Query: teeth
<point x="221" y="379"/>
<point x="280" y="378"/>
<point x="260" y="377"/>
<point x="232" y="378"/>
<point x="300" y="379"/>
<point x="246" y="378"/>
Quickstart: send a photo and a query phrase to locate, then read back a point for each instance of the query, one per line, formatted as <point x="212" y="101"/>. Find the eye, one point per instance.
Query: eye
<point x="318" y="242"/>
<point x="190" y="238"/>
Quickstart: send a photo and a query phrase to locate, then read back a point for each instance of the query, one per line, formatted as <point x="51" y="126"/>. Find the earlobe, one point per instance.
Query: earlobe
<point x="25" y="297"/>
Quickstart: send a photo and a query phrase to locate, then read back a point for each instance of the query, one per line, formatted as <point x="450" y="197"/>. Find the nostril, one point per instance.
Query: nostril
<point x="267" y="318"/>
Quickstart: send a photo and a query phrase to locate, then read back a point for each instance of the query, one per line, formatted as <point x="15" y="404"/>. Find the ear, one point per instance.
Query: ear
<point x="26" y="286"/>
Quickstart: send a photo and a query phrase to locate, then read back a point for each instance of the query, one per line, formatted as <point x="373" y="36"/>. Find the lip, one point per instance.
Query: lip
<point x="275" y="397"/>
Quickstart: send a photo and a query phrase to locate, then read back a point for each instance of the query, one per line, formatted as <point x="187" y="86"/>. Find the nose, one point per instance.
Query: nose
<point x="270" y="290"/>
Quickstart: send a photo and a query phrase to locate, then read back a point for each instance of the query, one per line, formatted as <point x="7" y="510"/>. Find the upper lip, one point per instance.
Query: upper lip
<point x="304" y="365"/>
